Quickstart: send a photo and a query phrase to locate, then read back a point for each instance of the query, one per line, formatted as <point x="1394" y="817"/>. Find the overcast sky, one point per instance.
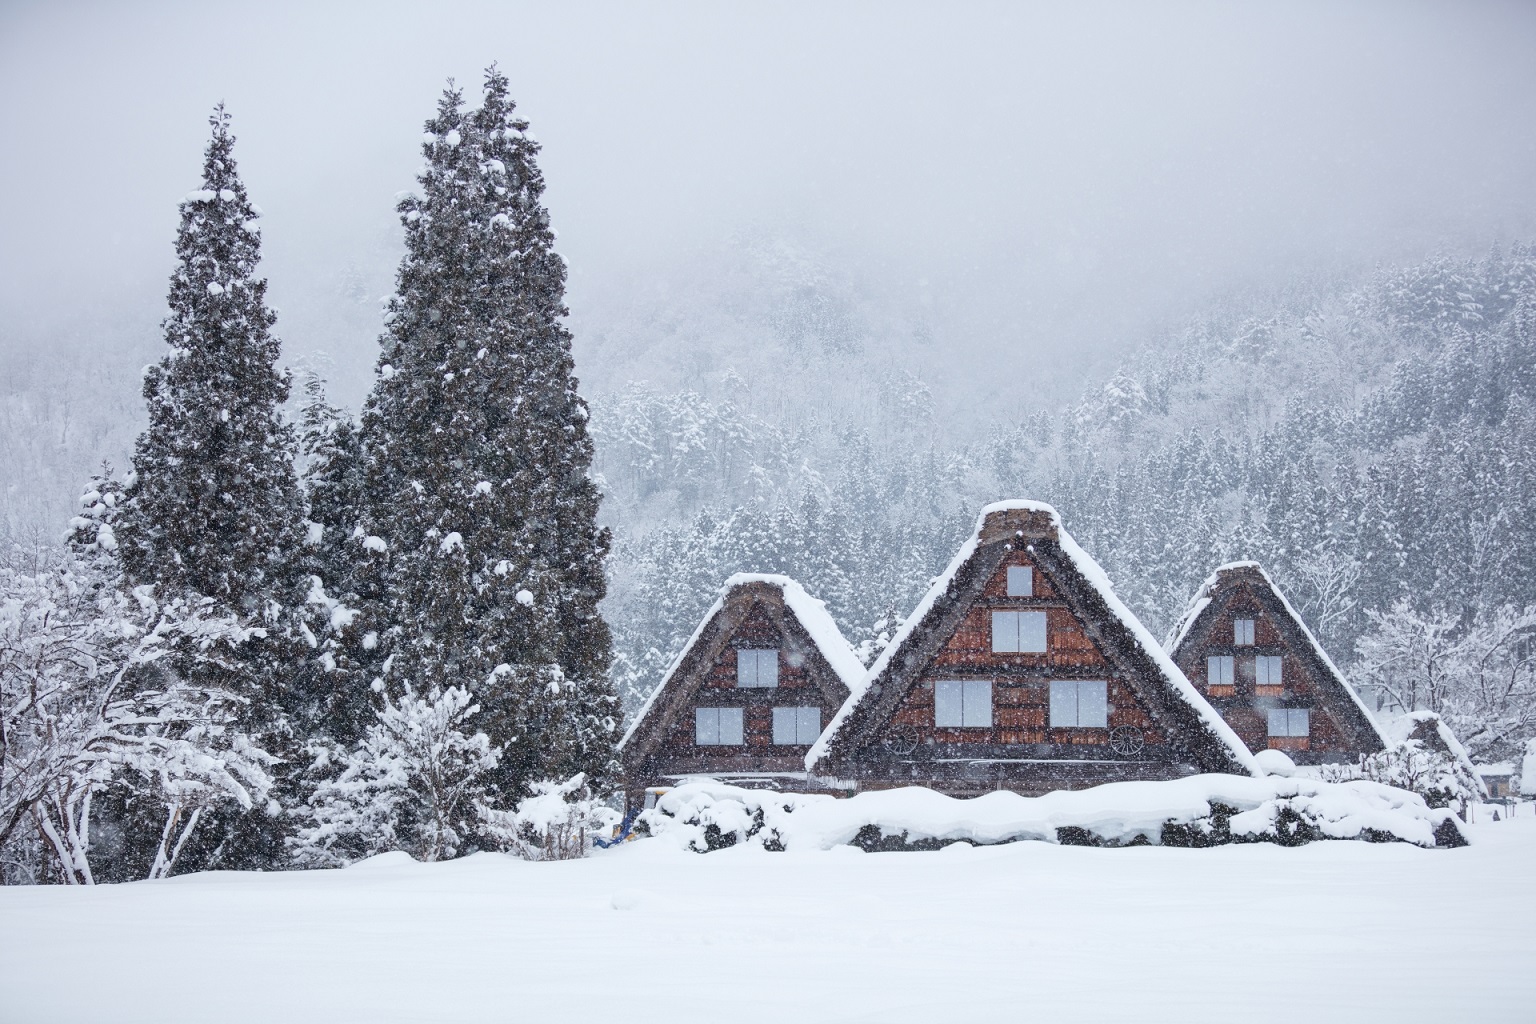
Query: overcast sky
<point x="1057" y="178"/>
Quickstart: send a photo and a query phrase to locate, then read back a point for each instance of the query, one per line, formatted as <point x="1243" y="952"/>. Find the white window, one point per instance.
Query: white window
<point x="717" y="727"/>
<point x="1021" y="581"/>
<point x="1083" y="703"/>
<point x="1218" y="670"/>
<point x="796" y="727"/>
<point x="1290" y="722"/>
<point x="1266" y="670"/>
<point x="965" y="704"/>
<point x="757" y="668"/>
<point x="1018" y="631"/>
<point x="1242" y="632"/>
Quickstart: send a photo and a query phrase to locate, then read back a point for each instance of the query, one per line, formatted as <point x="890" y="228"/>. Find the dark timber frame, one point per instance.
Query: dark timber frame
<point x="753" y="612"/>
<point x="1341" y="729"/>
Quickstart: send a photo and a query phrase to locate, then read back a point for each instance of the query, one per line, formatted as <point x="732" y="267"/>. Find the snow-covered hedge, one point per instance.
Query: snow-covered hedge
<point x="1203" y="810"/>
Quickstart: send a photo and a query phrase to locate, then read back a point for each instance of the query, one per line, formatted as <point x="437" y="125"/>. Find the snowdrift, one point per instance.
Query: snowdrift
<point x="1202" y="810"/>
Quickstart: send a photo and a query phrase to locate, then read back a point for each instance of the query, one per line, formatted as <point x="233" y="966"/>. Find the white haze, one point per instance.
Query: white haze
<point x="1037" y="187"/>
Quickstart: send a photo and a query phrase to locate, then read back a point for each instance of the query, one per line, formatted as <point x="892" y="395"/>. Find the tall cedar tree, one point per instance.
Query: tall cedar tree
<point x="479" y="456"/>
<point x="333" y="480"/>
<point x="213" y="515"/>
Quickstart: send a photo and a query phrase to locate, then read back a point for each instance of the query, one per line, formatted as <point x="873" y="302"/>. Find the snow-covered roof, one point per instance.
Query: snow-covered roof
<point x="1182" y="687"/>
<point x="1199" y="602"/>
<point x="1094" y="574"/>
<point x="816" y="621"/>
<point x="809" y="612"/>
<point x="1501" y="770"/>
<point x="1202" y="600"/>
<point x="856" y="694"/>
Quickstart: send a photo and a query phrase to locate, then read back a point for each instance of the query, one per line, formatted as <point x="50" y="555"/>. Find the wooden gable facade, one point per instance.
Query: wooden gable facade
<point x="752" y="690"/>
<point x="1021" y="670"/>
<point x="1253" y="658"/>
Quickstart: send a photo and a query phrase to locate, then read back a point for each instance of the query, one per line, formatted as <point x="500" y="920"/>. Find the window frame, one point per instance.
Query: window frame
<point x="1242" y="632"/>
<point x="1289" y="717"/>
<point x="1026" y="573"/>
<point x="1263" y="665"/>
<point x="1012" y="632"/>
<point x="757" y="656"/>
<point x="973" y="697"/>
<point x="798" y="724"/>
<point x="1228" y="676"/>
<point x="1065" y="693"/>
<point x="717" y="714"/>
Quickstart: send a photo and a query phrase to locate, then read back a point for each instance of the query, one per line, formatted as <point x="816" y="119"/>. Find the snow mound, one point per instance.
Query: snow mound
<point x="1202" y="810"/>
<point x="1275" y="762"/>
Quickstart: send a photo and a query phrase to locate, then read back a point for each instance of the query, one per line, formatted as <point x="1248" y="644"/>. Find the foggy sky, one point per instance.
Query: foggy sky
<point x="1050" y="181"/>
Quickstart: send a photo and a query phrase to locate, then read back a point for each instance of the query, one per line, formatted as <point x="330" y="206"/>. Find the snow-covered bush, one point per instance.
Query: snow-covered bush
<point x="1435" y="775"/>
<point x="558" y="822"/>
<point x="1202" y="810"/>
<point x="411" y="784"/>
<point x="86" y="703"/>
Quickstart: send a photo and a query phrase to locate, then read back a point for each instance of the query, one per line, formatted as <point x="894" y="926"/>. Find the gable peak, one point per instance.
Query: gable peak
<point x="1019" y="518"/>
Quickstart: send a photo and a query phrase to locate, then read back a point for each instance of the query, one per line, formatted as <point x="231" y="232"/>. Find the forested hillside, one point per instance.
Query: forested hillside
<point x="1368" y="440"/>
<point x="1369" y="443"/>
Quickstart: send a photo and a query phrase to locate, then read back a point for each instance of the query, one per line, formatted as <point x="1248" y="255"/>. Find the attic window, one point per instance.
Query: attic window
<point x="962" y="704"/>
<point x="757" y="668"/>
<point x="796" y="727"/>
<point x="1018" y="632"/>
<point x="1266" y="671"/>
<point x="1219" y="671"/>
<point x="717" y="727"/>
<point x="1021" y="581"/>
<point x="1242" y="632"/>
<point x="1285" y="722"/>
<point x="1079" y="703"/>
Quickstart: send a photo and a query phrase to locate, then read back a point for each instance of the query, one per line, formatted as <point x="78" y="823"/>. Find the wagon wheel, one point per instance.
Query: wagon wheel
<point x="900" y="740"/>
<point x="1126" y="741"/>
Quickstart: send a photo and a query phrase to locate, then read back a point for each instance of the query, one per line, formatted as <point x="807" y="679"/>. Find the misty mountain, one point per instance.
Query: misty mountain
<point x="1367" y="441"/>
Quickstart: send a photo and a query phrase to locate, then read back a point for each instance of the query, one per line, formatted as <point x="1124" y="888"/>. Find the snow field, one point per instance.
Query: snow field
<point x="1332" y="931"/>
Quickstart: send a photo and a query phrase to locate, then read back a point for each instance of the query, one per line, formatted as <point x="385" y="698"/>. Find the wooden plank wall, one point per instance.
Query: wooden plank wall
<point x="1245" y="706"/>
<point x="1021" y="681"/>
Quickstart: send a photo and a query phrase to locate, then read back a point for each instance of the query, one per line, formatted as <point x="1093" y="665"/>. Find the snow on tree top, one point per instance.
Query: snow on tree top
<point x="1423" y="724"/>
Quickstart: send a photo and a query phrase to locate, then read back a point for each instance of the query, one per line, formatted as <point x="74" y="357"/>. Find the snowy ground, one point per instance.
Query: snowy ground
<point x="1332" y="931"/>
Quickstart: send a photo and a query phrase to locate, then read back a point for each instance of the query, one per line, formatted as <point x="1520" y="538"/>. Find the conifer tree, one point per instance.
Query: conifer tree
<point x="213" y="517"/>
<point x="214" y="509"/>
<point x="92" y="537"/>
<point x="479" y="455"/>
<point x="335" y="683"/>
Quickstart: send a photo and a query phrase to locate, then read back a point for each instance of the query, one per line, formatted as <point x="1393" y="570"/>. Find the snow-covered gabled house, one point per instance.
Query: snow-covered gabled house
<point x="749" y="693"/>
<point x="1251" y="655"/>
<point x="1022" y="670"/>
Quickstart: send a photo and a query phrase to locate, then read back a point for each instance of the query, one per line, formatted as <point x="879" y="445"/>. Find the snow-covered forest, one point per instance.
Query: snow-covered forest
<point x="1366" y="439"/>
